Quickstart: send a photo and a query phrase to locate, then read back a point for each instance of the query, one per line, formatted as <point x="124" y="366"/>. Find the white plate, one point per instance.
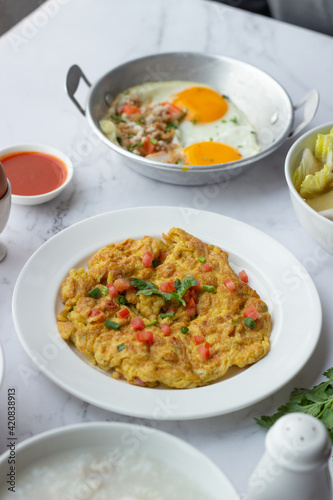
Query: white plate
<point x="112" y="440"/>
<point x="279" y="278"/>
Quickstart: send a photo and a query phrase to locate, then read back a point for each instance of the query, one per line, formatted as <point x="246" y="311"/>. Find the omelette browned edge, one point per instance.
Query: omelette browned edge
<point x="216" y="336"/>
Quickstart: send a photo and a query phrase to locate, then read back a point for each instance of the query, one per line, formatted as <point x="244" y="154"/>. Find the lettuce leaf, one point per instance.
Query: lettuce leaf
<point x="308" y="166"/>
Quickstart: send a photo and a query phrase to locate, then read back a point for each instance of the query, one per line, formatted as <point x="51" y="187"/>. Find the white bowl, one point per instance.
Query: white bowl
<point x="40" y="148"/>
<point x="319" y="227"/>
<point x="112" y="441"/>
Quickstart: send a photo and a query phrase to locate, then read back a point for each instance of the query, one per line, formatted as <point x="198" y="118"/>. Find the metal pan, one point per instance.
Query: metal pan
<point x="264" y="101"/>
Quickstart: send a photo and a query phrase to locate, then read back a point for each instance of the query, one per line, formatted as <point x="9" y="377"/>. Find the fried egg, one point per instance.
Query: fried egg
<point x="211" y="129"/>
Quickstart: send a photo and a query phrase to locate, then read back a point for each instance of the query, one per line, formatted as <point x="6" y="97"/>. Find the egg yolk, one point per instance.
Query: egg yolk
<point x="210" y="153"/>
<point x="203" y="104"/>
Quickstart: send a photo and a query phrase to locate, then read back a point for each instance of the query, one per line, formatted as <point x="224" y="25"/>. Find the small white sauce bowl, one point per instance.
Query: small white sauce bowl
<point x="320" y="228"/>
<point x="40" y="148"/>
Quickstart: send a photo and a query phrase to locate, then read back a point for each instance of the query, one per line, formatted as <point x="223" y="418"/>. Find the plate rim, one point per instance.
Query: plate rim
<point x="144" y="412"/>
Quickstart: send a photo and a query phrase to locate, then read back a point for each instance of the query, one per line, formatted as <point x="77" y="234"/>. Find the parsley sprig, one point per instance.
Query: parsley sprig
<point x="181" y="286"/>
<point x="317" y="402"/>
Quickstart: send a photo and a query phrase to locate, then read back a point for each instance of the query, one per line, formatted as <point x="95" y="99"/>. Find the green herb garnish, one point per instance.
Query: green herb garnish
<point x="195" y="120"/>
<point x="234" y="120"/>
<point x="167" y="315"/>
<point x="153" y="141"/>
<point x="184" y="329"/>
<point x="112" y="324"/>
<point x="181" y="118"/>
<point x="121" y="347"/>
<point x="156" y="263"/>
<point x="122" y="300"/>
<point x="317" y="402"/>
<point x="151" y="323"/>
<point x="130" y="136"/>
<point x="170" y="126"/>
<point x="117" y="119"/>
<point x="119" y="140"/>
<point x="140" y="120"/>
<point x="208" y="288"/>
<point x="202" y="259"/>
<point x="181" y="286"/>
<point x="98" y="291"/>
<point x="180" y="162"/>
<point x="250" y="323"/>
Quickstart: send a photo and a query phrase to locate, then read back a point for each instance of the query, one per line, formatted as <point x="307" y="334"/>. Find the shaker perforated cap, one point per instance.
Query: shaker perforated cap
<point x="299" y="442"/>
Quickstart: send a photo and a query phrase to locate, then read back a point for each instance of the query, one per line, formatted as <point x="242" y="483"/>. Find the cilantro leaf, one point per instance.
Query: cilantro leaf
<point x="148" y="288"/>
<point x="181" y="286"/>
<point x="317" y="402"/>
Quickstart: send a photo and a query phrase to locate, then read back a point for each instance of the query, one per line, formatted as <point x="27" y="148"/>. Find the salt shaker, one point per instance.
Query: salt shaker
<point x="295" y="463"/>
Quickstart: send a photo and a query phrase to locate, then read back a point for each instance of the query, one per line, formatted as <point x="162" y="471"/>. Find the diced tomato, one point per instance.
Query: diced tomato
<point x="191" y="312"/>
<point x="148" y="147"/>
<point x="144" y="336"/>
<point x="122" y="284"/>
<point x="191" y="307"/>
<point x="163" y="256"/>
<point x="167" y="287"/>
<point x="112" y="290"/>
<point x="206" y="267"/>
<point x="138" y="323"/>
<point x="166" y="329"/>
<point x="198" y="339"/>
<point x="97" y="315"/>
<point x="129" y="109"/>
<point x="251" y="312"/>
<point x="123" y="313"/>
<point x="243" y="276"/>
<point x="109" y="304"/>
<point x="197" y="287"/>
<point x="203" y="350"/>
<point x="190" y="303"/>
<point x="229" y="284"/>
<point x="194" y="296"/>
<point x="173" y="110"/>
<point x="147" y="259"/>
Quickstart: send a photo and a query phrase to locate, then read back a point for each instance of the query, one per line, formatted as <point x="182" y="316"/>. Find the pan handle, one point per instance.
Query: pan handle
<point x="310" y="102"/>
<point x="74" y="75"/>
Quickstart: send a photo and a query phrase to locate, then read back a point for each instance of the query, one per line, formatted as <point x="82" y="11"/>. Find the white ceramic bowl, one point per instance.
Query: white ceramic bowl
<point x="117" y="439"/>
<point x="319" y="227"/>
<point x="40" y="148"/>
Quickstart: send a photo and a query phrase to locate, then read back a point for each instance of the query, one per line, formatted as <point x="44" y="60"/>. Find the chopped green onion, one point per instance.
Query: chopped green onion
<point x="156" y="263"/>
<point x="170" y="126"/>
<point x="180" y="162"/>
<point x="193" y="317"/>
<point x="117" y="119"/>
<point x="151" y="323"/>
<point x="225" y="96"/>
<point x="98" y="291"/>
<point x="139" y="121"/>
<point x="153" y="141"/>
<point x="250" y="323"/>
<point x="130" y="136"/>
<point x="202" y="259"/>
<point x="208" y="288"/>
<point x="167" y="315"/>
<point x="112" y="324"/>
<point x="184" y="329"/>
<point x="194" y="121"/>
<point x="234" y="120"/>
<point x="122" y="300"/>
<point x="121" y="347"/>
<point x="211" y="138"/>
<point x="119" y="140"/>
<point x="140" y="144"/>
<point x="181" y="118"/>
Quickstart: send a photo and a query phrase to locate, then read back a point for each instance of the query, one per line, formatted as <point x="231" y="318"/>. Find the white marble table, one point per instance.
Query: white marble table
<point x="35" y="57"/>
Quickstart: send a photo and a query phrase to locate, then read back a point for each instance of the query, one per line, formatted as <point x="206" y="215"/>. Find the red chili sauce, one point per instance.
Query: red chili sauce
<point x="33" y="173"/>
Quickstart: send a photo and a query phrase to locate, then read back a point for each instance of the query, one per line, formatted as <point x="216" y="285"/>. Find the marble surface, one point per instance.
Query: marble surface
<point x="36" y="55"/>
